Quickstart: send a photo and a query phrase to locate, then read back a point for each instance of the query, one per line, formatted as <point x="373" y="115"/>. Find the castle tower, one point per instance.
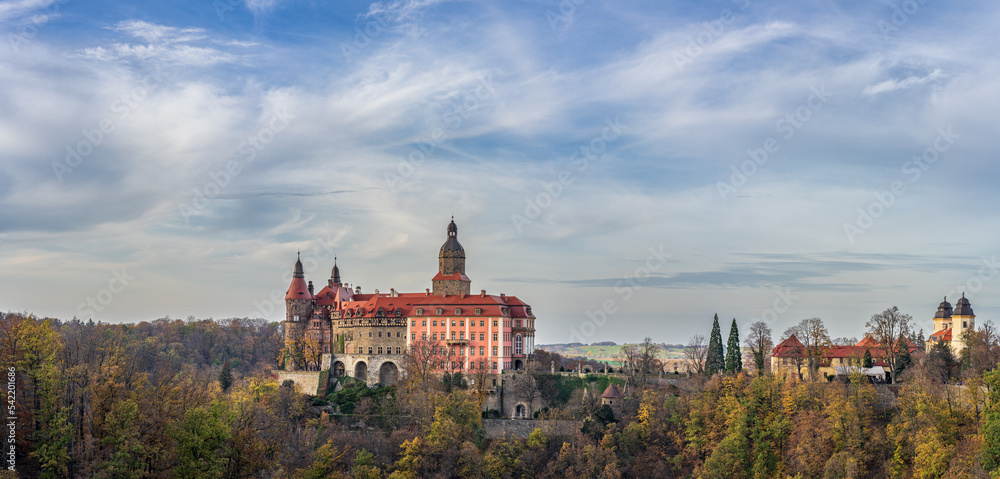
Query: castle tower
<point x="335" y="275"/>
<point x="298" y="304"/>
<point x="963" y="319"/>
<point x="451" y="278"/>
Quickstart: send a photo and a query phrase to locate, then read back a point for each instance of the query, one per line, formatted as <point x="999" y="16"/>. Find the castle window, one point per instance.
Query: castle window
<point x="443" y="351"/>
<point x="518" y="342"/>
<point x="494" y="324"/>
<point x="435" y="323"/>
<point x="295" y="318"/>
<point x="472" y="365"/>
<point x="413" y="323"/>
<point x="965" y="324"/>
<point x="519" y="323"/>
<point x="440" y="311"/>
<point x="452" y="335"/>
<point x="326" y="349"/>
<point x="479" y="311"/>
<point x="421" y="311"/>
<point x="482" y="323"/>
<point x="380" y="334"/>
<point x="369" y="334"/>
<point x="380" y="349"/>
<point x="527" y="311"/>
<point x="494" y="336"/>
<point x="369" y="349"/>
<point x="461" y="323"/>
<point x="399" y="334"/>
<point x="434" y="336"/>
<point x="482" y="351"/>
<point x="413" y="337"/>
<point x="423" y="336"/>
<point x="397" y="349"/>
<point x="494" y="350"/>
<point x="461" y="335"/>
<point x="482" y="336"/>
<point x="359" y="349"/>
<point x="453" y="323"/>
<point x="424" y="323"/>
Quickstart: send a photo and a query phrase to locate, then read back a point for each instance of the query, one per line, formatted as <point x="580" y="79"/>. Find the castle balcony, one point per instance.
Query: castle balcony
<point x="456" y="342"/>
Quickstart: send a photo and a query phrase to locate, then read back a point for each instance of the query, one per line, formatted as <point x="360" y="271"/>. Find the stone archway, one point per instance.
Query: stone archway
<point x="518" y="365"/>
<point x="519" y="410"/>
<point x="361" y="371"/>
<point x="388" y="374"/>
<point x="338" y="369"/>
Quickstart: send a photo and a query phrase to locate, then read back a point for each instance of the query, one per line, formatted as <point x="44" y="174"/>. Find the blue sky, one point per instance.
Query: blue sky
<point x="171" y="158"/>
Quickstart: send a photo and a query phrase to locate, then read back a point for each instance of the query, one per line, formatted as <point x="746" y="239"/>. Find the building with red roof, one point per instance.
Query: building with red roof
<point x="366" y="335"/>
<point x="790" y="358"/>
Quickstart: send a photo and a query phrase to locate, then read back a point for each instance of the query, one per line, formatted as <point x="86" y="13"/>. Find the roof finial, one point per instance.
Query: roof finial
<point x="963" y="294"/>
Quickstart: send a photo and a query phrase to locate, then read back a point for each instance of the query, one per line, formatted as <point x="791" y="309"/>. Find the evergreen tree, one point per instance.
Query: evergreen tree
<point x="716" y="361"/>
<point x="226" y="375"/>
<point x="903" y="359"/>
<point x="734" y="356"/>
<point x="868" y="359"/>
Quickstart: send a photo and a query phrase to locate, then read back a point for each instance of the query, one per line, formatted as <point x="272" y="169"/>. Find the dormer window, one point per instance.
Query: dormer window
<point x="458" y="311"/>
<point x="479" y="311"/>
<point x="527" y="311"/>
<point x="440" y="311"/>
<point x="420" y="311"/>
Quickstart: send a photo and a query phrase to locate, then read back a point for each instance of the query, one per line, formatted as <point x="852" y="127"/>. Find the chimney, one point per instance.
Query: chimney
<point x="482" y="294"/>
<point x="357" y="290"/>
<point x="393" y="293"/>
<point x="310" y="288"/>
<point x="503" y="297"/>
<point x="428" y="291"/>
<point x="376" y="292"/>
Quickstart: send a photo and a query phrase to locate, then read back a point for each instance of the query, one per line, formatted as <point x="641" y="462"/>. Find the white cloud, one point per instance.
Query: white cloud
<point x="16" y="9"/>
<point x="901" y="84"/>
<point x="399" y="10"/>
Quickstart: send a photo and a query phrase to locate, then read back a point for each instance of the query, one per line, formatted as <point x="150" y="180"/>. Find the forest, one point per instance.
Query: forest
<point x="194" y="398"/>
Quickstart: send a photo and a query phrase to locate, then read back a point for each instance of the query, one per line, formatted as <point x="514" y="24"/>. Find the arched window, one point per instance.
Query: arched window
<point x="517" y="344"/>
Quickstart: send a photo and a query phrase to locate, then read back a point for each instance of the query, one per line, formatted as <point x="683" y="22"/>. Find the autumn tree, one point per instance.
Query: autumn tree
<point x="886" y="328"/>
<point x="639" y="361"/>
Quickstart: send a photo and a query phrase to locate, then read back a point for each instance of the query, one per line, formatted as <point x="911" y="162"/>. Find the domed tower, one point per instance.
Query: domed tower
<point x="298" y="304"/>
<point x="963" y="319"/>
<point x="451" y="278"/>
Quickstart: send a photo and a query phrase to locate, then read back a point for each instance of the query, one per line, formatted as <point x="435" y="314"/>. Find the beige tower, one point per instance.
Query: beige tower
<point x="451" y="278"/>
<point x="963" y="319"/>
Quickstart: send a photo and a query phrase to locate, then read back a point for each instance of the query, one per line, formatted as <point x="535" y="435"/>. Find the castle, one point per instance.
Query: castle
<point x="950" y="326"/>
<point x="366" y="335"/>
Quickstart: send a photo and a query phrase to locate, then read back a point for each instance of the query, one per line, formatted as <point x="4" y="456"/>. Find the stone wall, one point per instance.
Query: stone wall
<point x="309" y="381"/>
<point x="522" y="428"/>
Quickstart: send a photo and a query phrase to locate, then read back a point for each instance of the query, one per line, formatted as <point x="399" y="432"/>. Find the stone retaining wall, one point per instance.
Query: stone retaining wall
<point x="522" y="428"/>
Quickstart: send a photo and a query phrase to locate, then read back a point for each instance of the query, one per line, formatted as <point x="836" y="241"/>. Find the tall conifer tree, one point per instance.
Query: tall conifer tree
<point x="734" y="356"/>
<point x="716" y="361"/>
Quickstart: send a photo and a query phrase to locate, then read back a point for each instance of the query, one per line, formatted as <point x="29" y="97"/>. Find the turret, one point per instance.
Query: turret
<point x="299" y="302"/>
<point x="451" y="278"/>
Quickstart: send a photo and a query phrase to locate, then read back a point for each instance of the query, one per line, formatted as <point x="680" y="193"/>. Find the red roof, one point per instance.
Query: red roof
<point x="454" y="276"/>
<point x="943" y="335"/>
<point x="368" y="305"/>
<point x="612" y="392"/>
<point x="298" y="290"/>
<point x="790" y="347"/>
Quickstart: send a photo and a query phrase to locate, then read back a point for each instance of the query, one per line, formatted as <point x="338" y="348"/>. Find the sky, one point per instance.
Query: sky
<point x="629" y="168"/>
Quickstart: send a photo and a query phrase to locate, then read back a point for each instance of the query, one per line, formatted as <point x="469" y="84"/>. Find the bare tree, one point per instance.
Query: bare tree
<point x="845" y="341"/>
<point x="421" y="359"/>
<point x="815" y="338"/>
<point x="760" y="344"/>
<point x="526" y="389"/>
<point x="695" y="353"/>
<point x="639" y="361"/>
<point x="982" y="349"/>
<point x="886" y="328"/>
